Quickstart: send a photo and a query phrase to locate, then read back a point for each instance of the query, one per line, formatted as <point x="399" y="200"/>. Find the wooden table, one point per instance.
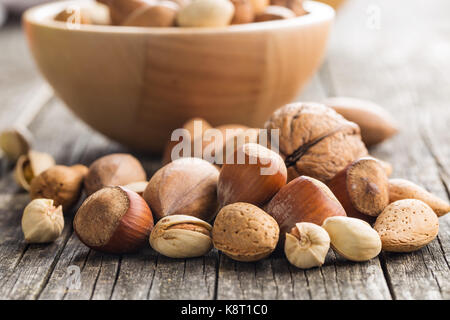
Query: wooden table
<point x="396" y="53"/>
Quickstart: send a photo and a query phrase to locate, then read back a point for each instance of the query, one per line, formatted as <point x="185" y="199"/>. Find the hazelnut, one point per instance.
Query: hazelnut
<point x="187" y="186"/>
<point x="160" y="14"/>
<point x="400" y="189"/>
<point x="114" y="220"/>
<point x="315" y="141"/>
<point x="376" y="124"/>
<point x="42" y="222"/>
<point x="181" y="236"/>
<point x="304" y="199"/>
<point x="295" y="5"/>
<point x="113" y="170"/>
<point x="60" y="183"/>
<point x="244" y="232"/>
<point x="15" y="142"/>
<point x="406" y="226"/>
<point x="243" y="11"/>
<point x="352" y="238"/>
<point x="362" y="189"/>
<point x="206" y="13"/>
<point x="138" y="187"/>
<point x="307" y="245"/>
<point x="120" y="9"/>
<point x="259" y="5"/>
<point x="31" y="165"/>
<point x="255" y="179"/>
<point x="275" y="13"/>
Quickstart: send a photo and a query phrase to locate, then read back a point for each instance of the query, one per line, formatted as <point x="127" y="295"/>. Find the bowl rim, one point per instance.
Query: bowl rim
<point x="40" y="15"/>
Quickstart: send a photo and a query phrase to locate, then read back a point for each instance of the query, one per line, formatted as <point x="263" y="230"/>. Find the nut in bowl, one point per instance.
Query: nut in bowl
<point x="132" y="83"/>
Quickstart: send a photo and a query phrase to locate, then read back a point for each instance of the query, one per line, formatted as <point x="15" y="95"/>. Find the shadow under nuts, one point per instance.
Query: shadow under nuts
<point x="114" y="220"/>
<point x="315" y="141"/>
<point x="362" y="189"/>
<point x="304" y="199"/>
<point x="244" y="232"/>
<point x="254" y="177"/>
<point x="186" y="186"/>
<point x="116" y="169"/>
<point x="181" y="236"/>
<point x="407" y="225"/>
<point x="59" y="183"/>
<point x="307" y="245"/>
<point x="352" y="238"/>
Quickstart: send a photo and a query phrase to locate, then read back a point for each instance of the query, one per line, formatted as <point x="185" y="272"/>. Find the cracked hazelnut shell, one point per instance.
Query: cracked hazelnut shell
<point x="114" y="220"/>
<point x="113" y="170"/>
<point x="315" y="141"/>
<point x="187" y="186"/>
<point x="362" y="188"/>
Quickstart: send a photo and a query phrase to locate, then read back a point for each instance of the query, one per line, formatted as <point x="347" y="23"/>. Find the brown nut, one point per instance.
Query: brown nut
<point x="120" y="9"/>
<point x="362" y="188"/>
<point x="400" y="189"/>
<point x="304" y="199"/>
<point x="275" y="13"/>
<point x="160" y="14"/>
<point x="181" y="236"/>
<point x="60" y="183"/>
<point x="244" y="232"/>
<point x="15" y="142"/>
<point x="206" y="13"/>
<point x="113" y="170"/>
<point x="31" y="165"/>
<point x="259" y="5"/>
<point x="375" y="122"/>
<point x="243" y="11"/>
<point x="74" y="16"/>
<point x="315" y="141"/>
<point x="406" y="226"/>
<point x="295" y="5"/>
<point x="307" y="245"/>
<point x="114" y="220"/>
<point x="187" y="186"/>
<point x="255" y="179"/>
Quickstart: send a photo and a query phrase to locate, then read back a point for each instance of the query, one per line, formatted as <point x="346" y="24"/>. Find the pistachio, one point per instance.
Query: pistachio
<point x="41" y="221"/>
<point x="307" y="245"/>
<point x="352" y="238"/>
<point x="31" y="165"/>
<point x="181" y="236"/>
<point x="138" y="187"/>
<point x="15" y="142"/>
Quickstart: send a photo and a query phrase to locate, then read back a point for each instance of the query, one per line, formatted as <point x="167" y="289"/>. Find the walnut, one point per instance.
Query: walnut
<point x="315" y="140"/>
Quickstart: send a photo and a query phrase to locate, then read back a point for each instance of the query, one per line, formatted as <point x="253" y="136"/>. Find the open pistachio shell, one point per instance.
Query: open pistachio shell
<point x="31" y="165"/>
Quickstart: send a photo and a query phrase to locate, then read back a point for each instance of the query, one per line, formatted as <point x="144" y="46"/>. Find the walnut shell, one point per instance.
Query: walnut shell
<point x="315" y="141"/>
<point x="244" y="232"/>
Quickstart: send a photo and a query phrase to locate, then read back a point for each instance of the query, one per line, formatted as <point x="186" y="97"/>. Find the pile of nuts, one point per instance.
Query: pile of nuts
<point x="324" y="190"/>
<point x="186" y="13"/>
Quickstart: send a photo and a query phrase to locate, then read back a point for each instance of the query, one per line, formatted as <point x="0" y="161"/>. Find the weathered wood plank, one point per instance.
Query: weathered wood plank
<point x="391" y="67"/>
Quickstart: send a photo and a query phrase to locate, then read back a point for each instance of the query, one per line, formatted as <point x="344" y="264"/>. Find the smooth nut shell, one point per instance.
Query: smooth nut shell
<point x="315" y="141"/>
<point x="352" y="238"/>
<point x="307" y="245"/>
<point x="400" y="189"/>
<point x="42" y="222"/>
<point x="120" y="9"/>
<point x="187" y="186"/>
<point x="376" y="123"/>
<point x="295" y="5"/>
<point x="206" y="13"/>
<point x="180" y="243"/>
<point x="113" y="170"/>
<point x="244" y="232"/>
<point x="407" y="225"/>
<point x="243" y="11"/>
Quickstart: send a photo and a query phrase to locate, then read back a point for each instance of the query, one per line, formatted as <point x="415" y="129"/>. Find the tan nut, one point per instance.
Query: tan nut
<point x="259" y="5"/>
<point x="42" y="222"/>
<point x="243" y="11"/>
<point x="138" y="187"/>
<point x="400" y="189"/>
<point x="307" y="245"/>
<point x="161" y="14"/>
<point x="181" y="236"/>
<point x="352" y="238"/>
<point x="206" y="13"/>
<point x="59" y="183"/>
<point x="15" y="142"/>
<point x="31" y="165"/>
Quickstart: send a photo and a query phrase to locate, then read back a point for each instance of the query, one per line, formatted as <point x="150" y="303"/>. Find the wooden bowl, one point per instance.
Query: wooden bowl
<point x="136" y="84"/>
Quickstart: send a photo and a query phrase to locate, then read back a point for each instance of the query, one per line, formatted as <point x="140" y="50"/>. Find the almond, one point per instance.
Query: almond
<point x="406" y="225"/>
<point x="375" y="122"/>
